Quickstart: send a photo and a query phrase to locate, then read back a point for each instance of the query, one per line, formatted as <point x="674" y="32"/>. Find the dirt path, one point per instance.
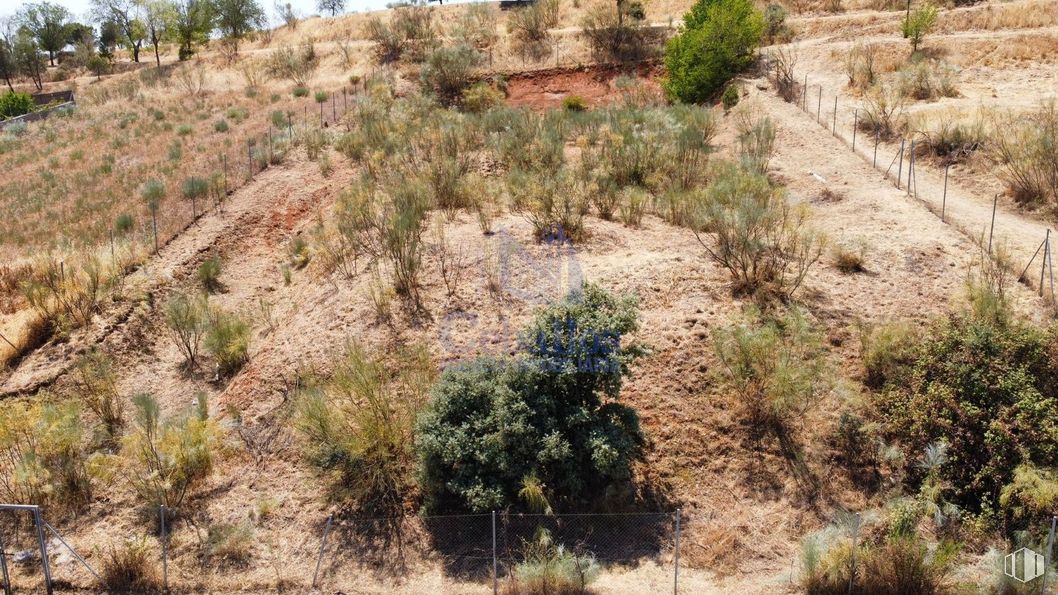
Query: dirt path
<point x="965" y="211"/>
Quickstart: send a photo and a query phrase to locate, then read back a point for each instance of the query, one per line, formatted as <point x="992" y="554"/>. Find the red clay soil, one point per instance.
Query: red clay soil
<point x="543" y="89"/>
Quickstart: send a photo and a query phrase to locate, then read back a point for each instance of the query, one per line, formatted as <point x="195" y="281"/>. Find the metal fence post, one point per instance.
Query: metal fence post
<point x="323" y="545"/>
<point x="834" y="125"/>
<point x="1047" y="556"/>
<point x="3" y="568"/>
<point x="1046" y="248"/>
<point x="992" y="227"/>
<point x="676" y="558"/>
<point x="900" y="168"/>
<point x="165" y="548"/>
<point x="819" y="104"/>
<point x="855" y="126"/>
<point x="495" y="574"/>
<point x="910" y="166"/>
<point x="944" y="199"/>
<point x="249" y="157"/>
<point x="877" y="136"/>
<point x="43" y="548"/>
<point x="804" y="94"/>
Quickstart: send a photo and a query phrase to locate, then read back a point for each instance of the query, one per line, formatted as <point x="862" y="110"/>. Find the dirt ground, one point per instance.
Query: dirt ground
<point x="746" y="507"/>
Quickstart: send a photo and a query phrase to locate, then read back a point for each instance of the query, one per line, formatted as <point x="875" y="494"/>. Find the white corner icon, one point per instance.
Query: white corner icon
<point x="1024" y="565"/>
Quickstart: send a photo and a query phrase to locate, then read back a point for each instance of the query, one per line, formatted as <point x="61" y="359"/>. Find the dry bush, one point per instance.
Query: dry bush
<point x="476" y="25"/>
<point x="1027" y="147"/>
<point x="294" y="64"/>
<point x="764" y="242"/>
<point x="186" y="324"/>
<point x="230" y="543"/>
<point x="129" y="568"/>
<point x="164" y="461"/>
<point x="883" y="112"/>
<point x="551" y="569"/>
<point x="848" y="260"/>
<point x="68" y="294"/>
<point x="227" y="338"/>
<point x="42" y="455"/>
<point x="860" y="66"/>
<point x="529" y="26"/>
<point x="95" y="385"/>
<point x="358" y="426"/>
<point x="553" y="205"/>
<point x="951" y="141"/>
<point x="777" y="369"/>
<point x="926" y="80"/>
<point x="190" y="78"/>
<point x="756" y="140"/>
<point x="410" y="33"/>
<point x="612" y="38"/>
<point x="784" y="63"/>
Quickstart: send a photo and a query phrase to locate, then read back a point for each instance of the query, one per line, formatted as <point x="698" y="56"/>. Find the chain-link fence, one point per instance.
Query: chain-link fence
<point x="491" y="552"/>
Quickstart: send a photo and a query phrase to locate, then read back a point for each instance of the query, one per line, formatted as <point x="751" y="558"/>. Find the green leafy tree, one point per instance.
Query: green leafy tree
<point x="238" y="18"/>
<point x="123" y="13"/>
<point x="48" y="24"/>
<point x="155" y="18"/>
<point x="109" y="36"/>
<point x="28" y="60"/>
<point x="190" y="23"/>
<point x="8" y="64"/>
<point x="717" y="41"/>
<point x="918" y="24"/>
<point x="548" y="416"/>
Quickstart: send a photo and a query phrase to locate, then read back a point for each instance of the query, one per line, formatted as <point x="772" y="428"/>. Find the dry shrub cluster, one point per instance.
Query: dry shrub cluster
<point x="1027" y="147"/>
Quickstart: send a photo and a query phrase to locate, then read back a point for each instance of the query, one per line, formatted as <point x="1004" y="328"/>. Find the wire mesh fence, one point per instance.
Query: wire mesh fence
<point x="902" y="169"/>
<point x="479" y="552"/>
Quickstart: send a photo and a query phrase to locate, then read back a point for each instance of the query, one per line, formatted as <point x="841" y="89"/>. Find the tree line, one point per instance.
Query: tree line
<point x="33" y="38"/>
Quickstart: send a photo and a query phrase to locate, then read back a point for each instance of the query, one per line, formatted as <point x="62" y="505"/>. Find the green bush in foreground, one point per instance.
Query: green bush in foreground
<point x="15" y="104"/>
<point x="984" y="384"/>
<point x="717" y="42"/>
<point x="549" y="413"/>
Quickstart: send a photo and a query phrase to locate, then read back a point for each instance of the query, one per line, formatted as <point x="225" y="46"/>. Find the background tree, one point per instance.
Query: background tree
<point x="8" y="66"/>
<point x="238" y="18"/>
<point x="287" y="14"/>
<point x="331" y="6"/>
<point x="155" y="19"/>
<point x="48" y="24"/>
<point x="190" y="22"/>
<point x="28" y="59"/>
<point x="717" y="41"/>
<point x="109" y="35"/>
<point x="123" y="13"/>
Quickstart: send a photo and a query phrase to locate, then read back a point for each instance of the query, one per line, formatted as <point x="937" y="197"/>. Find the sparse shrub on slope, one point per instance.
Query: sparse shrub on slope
<point x="777" y="368"/>
<point x="529" y="26"/>
<point x="42" y="455"/>
<point x="129" y="568"/>
<point x="95" y="385"/>
<point x="894" y="566"/>
<point x="185" y="321"/>
<point x="447" y="72"/>
<point x="716" y="43"/>
<point x="550" y="413"/>
<point x="164" y="461"/>
<point x="227" y="339"/>
<point x="1028" y="151"/>
<point x="764" y="242"/>
<point x="553" y="569"/>
<point x="358" y="426"/>
<point x="918" y="24"/>
<point x="294" y="64"/>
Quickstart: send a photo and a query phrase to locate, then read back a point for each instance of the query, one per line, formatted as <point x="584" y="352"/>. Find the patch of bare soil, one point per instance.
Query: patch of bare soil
<point x="596" y="84"/>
